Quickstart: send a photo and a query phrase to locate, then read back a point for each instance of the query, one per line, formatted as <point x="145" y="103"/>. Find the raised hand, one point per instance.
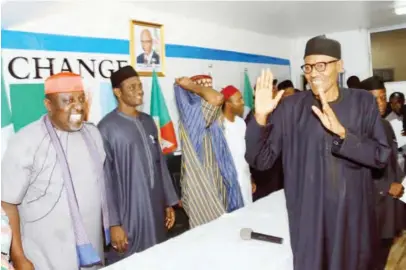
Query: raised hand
<point x="327" y="117"/>
<point x="185" y="82"/>
<point x="265" y="103"/>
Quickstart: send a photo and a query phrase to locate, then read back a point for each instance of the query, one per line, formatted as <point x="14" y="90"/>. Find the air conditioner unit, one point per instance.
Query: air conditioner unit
<point x="400" y="7"/>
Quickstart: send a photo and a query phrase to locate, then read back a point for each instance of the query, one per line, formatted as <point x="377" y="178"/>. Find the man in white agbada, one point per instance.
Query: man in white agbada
<point x="234" y="132"/>
<point x="52" y="186"/>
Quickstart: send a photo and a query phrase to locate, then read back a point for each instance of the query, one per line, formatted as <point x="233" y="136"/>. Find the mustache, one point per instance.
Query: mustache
<point x="316" y="78"/>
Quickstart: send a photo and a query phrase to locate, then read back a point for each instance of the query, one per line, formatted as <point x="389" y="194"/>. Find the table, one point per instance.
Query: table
<point x="217" y="245"/>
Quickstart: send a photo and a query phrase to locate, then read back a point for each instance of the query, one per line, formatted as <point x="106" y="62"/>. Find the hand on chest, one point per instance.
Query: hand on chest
<point x="307" y="127"/>
<point x="351" y="118"/>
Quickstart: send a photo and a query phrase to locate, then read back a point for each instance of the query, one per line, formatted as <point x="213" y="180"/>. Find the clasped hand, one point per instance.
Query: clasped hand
<point x="327" y="116"/>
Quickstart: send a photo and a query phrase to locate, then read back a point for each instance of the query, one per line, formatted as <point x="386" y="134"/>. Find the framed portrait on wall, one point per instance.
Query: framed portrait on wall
<point x="147" y="48"/>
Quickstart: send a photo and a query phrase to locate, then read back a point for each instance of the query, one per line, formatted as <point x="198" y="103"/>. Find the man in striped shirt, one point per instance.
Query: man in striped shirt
<point x="209" y="179"/>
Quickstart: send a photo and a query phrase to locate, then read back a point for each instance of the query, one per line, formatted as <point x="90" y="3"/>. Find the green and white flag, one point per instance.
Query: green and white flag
<point x="160" y="114"/>
<point x="248" y="95"/>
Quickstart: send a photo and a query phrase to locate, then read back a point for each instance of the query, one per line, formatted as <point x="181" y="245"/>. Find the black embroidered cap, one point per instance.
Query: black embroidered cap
<point x="321" y="45"/>
<point x="118" y="76"/>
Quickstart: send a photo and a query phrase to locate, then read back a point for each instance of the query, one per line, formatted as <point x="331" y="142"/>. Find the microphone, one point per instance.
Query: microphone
<point x="248" y="234"/>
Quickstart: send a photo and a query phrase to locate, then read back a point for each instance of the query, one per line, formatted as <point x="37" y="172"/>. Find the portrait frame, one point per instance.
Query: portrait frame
<point x="157" y="55"/>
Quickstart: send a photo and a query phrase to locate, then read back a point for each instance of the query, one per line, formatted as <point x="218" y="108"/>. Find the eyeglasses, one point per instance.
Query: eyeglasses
<point x="320" y="66"/>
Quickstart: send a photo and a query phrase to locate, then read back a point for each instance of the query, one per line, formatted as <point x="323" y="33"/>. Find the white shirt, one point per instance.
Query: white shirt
<point x="148" y="57"/>
<point x="235" y="137"/>
<point x="396" y="122"/>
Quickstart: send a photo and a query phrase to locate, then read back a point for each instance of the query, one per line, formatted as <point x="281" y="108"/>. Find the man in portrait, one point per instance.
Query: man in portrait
<point x="148" y="56"/>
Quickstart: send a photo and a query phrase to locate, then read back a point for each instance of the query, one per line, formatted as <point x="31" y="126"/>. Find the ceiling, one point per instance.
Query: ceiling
<point x="289" y="19"/>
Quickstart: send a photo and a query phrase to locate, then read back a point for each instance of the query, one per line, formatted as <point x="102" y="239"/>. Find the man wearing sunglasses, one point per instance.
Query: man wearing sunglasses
<point x="331" y="138"/>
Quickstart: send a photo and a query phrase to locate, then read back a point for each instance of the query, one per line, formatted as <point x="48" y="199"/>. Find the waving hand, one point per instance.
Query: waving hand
<point x="265" y="103"/>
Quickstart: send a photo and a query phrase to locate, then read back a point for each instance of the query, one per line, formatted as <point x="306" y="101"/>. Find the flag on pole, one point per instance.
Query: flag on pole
<point x="248" y="95"/>
<point x="160" y="114"/>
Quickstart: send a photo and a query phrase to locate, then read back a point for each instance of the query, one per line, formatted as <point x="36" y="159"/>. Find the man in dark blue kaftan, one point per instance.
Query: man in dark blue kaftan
<point x="331" y="137"/>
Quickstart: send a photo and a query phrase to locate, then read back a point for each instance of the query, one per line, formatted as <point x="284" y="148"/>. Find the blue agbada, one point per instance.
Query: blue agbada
<point x="330" y="193"/>
<point x="139" y="185"/>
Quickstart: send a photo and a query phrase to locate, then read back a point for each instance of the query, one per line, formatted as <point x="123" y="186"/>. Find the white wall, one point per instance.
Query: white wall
<point x="395" y="87"/>
<point x="107" y="20"/>
<point x="354" y="51"/>
<point x="112" y="21"/>
<point x="355" y="47"/>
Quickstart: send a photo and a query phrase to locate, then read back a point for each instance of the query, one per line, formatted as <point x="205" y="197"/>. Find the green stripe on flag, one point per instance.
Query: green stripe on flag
<point x="158" y="105"/>
<point x="27" y="103"/>
<point x="248" y="92"/>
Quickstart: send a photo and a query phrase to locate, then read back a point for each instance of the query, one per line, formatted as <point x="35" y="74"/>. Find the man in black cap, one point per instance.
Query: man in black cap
<point x="390" y="211"/>
<point x="353" y="82"/>
<point x="331" y="137"/>
<point x="274" y="84"/>
<point x="140" y="189"/>
<point x="287" y="87"/>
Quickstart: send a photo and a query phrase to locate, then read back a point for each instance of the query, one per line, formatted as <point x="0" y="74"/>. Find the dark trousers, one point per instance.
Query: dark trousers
<point x="268" y="181"/>
<point x="383" y="253"/>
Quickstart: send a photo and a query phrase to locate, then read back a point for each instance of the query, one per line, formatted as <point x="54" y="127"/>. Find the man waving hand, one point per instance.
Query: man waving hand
<point x="331" y="137"/>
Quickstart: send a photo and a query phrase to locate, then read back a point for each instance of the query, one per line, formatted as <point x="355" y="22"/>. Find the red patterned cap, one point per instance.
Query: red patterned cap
<point x="229" y="91"/>
<point x="203" y="80"/>
<point x="63" y="82"/>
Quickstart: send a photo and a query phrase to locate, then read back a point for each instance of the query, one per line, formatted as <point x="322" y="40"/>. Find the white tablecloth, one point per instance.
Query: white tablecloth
<point x="217" y="245"/>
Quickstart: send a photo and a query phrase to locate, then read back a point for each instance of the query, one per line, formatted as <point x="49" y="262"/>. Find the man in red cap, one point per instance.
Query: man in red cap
<point x="53" y="184"/>
<point x="213" y="180"/>
<point x="234" y="131"/>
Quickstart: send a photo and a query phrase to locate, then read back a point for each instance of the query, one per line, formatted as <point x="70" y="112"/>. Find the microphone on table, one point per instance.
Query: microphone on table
<point x="248" y="234"/>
